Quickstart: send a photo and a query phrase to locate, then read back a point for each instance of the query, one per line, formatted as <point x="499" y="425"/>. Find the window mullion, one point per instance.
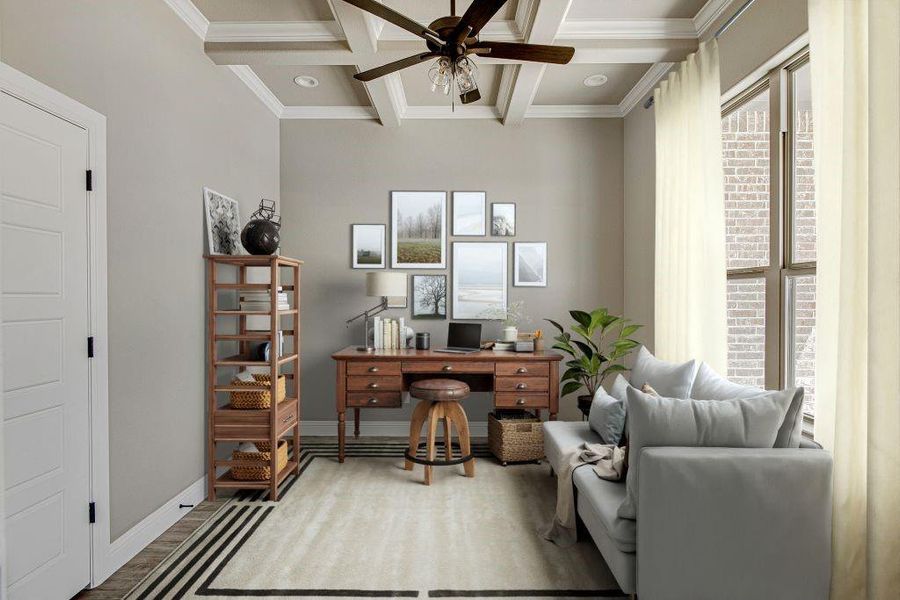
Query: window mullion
<point x="775" y="334"/>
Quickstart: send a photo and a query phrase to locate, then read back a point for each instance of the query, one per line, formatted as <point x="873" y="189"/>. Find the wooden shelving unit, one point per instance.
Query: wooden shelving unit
<point x="282" y="420"/>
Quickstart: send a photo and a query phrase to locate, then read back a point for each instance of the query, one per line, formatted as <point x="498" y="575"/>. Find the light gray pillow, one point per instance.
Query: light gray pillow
<point x="656" y="421"/>
<point x="618" y="388"/>
<point x="671" y="380"/>
<point x="607" y="417"/>
<point x="709" y="385"/>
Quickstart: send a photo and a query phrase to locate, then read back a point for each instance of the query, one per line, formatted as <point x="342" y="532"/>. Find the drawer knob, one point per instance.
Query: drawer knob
<point x="373" y="400"/>
<point x="447" y="368"/>
<point x="520" y="402"/>
<point x="521" y="386"/>
<point x="521" y="370"/>
<point x="373" y="386"/>
<point x="373" y="369"/>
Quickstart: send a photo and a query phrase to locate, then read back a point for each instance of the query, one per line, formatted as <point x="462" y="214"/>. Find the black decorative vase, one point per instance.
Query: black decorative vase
<point x="262" y="234"/>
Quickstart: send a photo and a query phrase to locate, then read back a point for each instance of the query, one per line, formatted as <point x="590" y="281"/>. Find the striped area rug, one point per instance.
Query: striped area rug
<point x="369" y="529"/>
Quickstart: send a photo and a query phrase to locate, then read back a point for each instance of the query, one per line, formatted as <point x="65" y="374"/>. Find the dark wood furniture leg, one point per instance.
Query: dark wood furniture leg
<point x="356" y="423"/>
<point x="341" y="399"/>
<point x="554" y="389"/>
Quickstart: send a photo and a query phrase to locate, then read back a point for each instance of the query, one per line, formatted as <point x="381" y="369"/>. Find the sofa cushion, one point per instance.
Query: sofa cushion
<point x="618" y="388"/>
<point x="709" y="385"/>
<point x="737" y="423"/>
<point x="672" y="380"/>
<point x="607" y="417"/>
<point x="561" y="437"/>
<point x="603" y="499"/>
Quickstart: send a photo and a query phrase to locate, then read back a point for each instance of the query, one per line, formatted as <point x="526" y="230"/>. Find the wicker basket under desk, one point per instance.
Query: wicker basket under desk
<point x="516" y="438"/>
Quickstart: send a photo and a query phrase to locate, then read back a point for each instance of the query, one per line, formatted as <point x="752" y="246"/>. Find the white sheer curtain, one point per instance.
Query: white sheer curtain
<point x="855" y="55"/>
<point x="690" y="286"/>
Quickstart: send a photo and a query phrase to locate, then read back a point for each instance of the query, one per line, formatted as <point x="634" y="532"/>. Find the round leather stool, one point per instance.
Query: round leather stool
<point x="439" y="401"/>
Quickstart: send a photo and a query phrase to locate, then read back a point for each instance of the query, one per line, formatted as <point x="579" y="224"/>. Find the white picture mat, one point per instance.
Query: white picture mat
<point x="368" y="236"/>
<point x="409" y="204"/>
<point x="469" y="213"/>
<point x="530" y="264"/>
<point x="479" y="279"/>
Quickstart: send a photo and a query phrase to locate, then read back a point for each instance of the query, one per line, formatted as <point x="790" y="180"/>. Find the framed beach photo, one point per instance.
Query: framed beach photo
<point x="429" y="293"/>
<point x="530" y="264"/>
<point x="223" y="223"/>
<point x="479" y="279"/>
<point x="418" y="230"/>
<point x="369" y="246"/>
<point x="503" y="219"/>
<point x="469" y="213"/>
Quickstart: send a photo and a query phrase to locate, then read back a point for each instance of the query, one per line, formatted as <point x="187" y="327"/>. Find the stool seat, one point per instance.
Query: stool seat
<point x="439" y="390"/>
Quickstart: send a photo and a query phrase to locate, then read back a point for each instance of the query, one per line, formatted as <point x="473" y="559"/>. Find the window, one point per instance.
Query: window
<point x="770" y="228"/>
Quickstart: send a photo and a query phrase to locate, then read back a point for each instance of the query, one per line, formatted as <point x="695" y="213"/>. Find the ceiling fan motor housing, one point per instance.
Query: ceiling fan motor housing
<point x="444" y="27"/>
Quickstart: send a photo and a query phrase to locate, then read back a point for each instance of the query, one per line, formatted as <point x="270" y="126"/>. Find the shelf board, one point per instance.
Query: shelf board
<point x="238" y="313"/>
<point x="254" y="259"/>
<point x="252" y="286"/>
<point x="240" y="360"/>
<point x="227" y="481"/>
<point x="285" y="404"/>
<point x="251" y="337"/>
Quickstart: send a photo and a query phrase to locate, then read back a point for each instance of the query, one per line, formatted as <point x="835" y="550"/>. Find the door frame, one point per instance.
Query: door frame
<point x="27" y="89"/>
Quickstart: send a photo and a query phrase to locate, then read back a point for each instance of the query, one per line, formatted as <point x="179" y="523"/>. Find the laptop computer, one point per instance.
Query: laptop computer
<point x="462" y="338"/>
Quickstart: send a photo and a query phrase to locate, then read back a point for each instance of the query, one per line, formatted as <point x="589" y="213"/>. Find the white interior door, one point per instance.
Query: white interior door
<point x="46" y="373"/>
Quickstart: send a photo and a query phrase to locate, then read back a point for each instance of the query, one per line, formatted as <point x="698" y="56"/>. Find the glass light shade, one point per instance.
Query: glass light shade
<point x="385" y="284"/>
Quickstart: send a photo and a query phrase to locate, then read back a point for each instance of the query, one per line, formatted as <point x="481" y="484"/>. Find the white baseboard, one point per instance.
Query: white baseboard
<point x="375" y="428"/>
<point x="127" y="546"/>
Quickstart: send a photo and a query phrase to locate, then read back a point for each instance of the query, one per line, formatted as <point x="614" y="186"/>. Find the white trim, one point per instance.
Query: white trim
<point x="258" y="87"/>
<point x="785" y="53"/>
<point x="329" y="112"/>
<point x="34" y="92"/>
<point x="277" y="31"/>
<point x="375" y="429"/>
<point x="477" y="111"/>
<point x="627" y="29"/>
<point x="127" y="545"/>
<point x="191" y="15"/>
<point x="644" y="86"/>
<point x="573" y="111"/>
<point x="440" y="112"/>
<point x="708" y="14"/>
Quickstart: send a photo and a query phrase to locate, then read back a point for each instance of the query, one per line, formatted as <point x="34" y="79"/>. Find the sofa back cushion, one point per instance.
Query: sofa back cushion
<point x="672" y="380"/>
<point x="618" y="388"/>
<point x="658" y="421"/>
<point x="709" y="385"/>
<point x="607" y="417"/>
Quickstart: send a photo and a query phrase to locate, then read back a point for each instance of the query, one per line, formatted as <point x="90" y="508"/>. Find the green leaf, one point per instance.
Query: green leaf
<point x="565" y="348"/>
<point x="609" y="321"/>
<point x="571" y="373"/>
<point x="617" y="368"/>
<point x="628" y="330"/>
<point x="570" y="387"/>
<point x="583" y="318"/>
<point x="587" y="350"/>
<point x="555" y="324"/>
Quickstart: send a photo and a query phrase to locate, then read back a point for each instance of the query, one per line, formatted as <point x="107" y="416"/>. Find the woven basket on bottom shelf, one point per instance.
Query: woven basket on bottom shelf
<point x="516" y="438"/>
<point x="257" y="399"/>
<point x="262" y="471"/>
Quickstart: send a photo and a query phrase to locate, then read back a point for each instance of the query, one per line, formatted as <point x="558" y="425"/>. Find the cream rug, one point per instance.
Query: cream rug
<point x="368" y="528"/>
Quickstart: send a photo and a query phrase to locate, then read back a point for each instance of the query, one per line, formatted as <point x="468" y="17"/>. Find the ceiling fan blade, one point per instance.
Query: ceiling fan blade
<point x="479" y="13"/>
<point x="397" y="65"/>
<point x="560" y="55"/>
<point x="470" y="96"/>
<point x="392" y="16"/>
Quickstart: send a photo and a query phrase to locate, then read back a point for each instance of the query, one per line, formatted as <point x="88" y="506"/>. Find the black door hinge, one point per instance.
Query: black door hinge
<point x="92" y="513"/>
<point x="91" y="347"/>
<point x="89" y="180"/>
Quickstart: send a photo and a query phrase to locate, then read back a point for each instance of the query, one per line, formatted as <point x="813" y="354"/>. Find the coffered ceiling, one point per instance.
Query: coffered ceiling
<point x="267" y="43"/>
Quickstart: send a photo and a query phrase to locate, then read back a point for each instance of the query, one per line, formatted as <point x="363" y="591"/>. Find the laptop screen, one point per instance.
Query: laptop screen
<point x="464" y="335"/>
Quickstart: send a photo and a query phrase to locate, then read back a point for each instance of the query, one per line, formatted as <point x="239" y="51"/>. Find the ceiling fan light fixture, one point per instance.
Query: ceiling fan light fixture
<point x="596" y="80"/>
<point x="306" y="81"/>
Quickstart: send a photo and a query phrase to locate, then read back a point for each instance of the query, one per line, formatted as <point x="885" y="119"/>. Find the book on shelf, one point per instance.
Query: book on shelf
<point x="500" y="346"/>
<point x="263" y="306"/>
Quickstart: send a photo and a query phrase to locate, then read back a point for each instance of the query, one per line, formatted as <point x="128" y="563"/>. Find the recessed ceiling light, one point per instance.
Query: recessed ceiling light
<point x="596" y="80"/>
<point x="306" y="81"/>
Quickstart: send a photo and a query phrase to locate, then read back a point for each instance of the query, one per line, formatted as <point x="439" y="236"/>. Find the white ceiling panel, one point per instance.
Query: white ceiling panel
<point x="336" y="86"/>
<point x="265" y="10"/>
<point x="634" y="9"/>
<point x="428" y="10"/>
<point x="564" y="84"/>
<point x="417" y="86"/>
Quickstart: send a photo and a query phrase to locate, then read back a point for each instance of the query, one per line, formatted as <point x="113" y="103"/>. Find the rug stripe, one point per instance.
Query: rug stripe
<point x="233" y="551"/>
<point x="526" y="593"/>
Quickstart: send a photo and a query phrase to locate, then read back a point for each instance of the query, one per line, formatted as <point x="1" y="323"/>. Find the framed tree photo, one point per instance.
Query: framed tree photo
<point x="469" y="213"/>
<point x="503" y="219"/>
<point x="418" y="230"/>
<point x="429" y="294"/>
<point x="369" y="246"/>
<point x="479" y="279"/>
<point x="530" y="264"/>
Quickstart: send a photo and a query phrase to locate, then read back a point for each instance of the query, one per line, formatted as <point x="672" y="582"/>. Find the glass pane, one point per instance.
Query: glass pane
<point x="747" y="331"/>
<point x="803" y="238"/>
<point x="801" y="343"/>
<point x="745" y="161"/>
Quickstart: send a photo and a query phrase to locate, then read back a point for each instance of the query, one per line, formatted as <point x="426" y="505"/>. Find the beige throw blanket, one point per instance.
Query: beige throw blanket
<point x="608" y="462"/>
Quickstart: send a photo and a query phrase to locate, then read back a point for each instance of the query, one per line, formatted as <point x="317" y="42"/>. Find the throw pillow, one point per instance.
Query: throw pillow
<point x="672" y="380"/>
<point x="709" y="385"/>
<point x="618" y="387"/>
<point x="607" y="417"/>
<point x="655" y="421"/>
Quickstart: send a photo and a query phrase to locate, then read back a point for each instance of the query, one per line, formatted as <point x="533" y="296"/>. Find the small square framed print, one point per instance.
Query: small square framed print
<point x="469" y="213"/>
<point x="530" y="264"/>
<point x="503" y="219"/>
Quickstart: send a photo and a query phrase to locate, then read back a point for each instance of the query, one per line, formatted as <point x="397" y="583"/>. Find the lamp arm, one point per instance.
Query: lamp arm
<point x="378" y="308"/>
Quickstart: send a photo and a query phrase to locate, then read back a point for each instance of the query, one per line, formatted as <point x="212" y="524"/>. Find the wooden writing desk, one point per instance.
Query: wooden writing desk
<point x="377" y="379"/>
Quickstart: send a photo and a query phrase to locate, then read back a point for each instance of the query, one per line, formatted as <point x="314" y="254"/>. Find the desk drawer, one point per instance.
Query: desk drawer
<point x="527" y="400"/>
<point x="374" y="399"/>
<point x="450" y="366"/>
<point x="523" y="369"/>
<point x="522" y="384"/>
<point x="362" y="383"/>
<point x="371" y="367"/>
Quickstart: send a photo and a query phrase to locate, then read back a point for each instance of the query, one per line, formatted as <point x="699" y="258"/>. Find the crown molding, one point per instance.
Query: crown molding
<point x="329" y="112"/>
<point x="573" y="111"/>
<point x="256" y="85"/>
<point x="644" y="86"/>
<point x="191" y="16"/>
<point x="297" y="31"/>
<point x="708" y="14"/>
<point x="627" y="29"/>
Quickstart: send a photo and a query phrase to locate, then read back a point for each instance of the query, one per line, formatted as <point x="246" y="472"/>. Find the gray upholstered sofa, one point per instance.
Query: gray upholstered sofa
<point x="712" y="523"/>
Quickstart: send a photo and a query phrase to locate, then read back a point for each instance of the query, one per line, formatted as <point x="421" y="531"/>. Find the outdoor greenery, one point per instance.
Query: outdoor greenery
<point x="603" y="341"/>
<point x="420" y="251"/>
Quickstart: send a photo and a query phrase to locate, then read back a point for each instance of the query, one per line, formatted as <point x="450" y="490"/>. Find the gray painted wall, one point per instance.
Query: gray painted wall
<point x="564" y="175"/>
<point x="175" y="122"/>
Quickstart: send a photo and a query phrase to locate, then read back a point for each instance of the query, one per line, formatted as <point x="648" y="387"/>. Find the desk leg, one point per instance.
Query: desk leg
<point x="554" y="390"/>
<point x="340" y="392"/>
<point x="342" y="427"/>
<point x="356" y="423"/>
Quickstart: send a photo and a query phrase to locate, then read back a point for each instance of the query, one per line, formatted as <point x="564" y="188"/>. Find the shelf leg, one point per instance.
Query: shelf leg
<point x="342" y="423"/>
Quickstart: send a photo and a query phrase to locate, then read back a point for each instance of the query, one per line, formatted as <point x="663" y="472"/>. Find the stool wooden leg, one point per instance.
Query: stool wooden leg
<point x="356" y="423"/>
<point x="434" y="414"/>
<point x="415" y="429"/>
<point x="462" y="429"/>
<point x="448" y="439"/>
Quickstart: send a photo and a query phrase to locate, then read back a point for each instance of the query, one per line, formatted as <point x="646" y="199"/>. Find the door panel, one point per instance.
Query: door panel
<point x="46" y="373"/>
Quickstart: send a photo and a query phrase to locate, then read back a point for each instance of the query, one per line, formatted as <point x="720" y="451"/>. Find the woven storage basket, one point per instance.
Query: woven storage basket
<point x="516" y="438"/>
<point x="256" y="399"/>
<point x="262" y="471"/>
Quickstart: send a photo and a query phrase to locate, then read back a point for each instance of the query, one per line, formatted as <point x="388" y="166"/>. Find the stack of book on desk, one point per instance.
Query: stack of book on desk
<point x="390" y="334"/>
<point x="261" y="301"/>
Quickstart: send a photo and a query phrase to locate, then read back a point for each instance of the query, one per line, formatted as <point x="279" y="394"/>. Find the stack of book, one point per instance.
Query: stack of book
<point x="501" y="346"/>
<point x="390" y="334"/>
<point x="261" y="301"/>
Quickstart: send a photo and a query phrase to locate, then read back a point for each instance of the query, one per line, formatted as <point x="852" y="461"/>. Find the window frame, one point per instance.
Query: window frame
<point x="782" y="267"/>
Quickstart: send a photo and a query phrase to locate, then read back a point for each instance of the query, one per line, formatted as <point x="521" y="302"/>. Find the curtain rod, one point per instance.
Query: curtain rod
<point x="724" y="27"/>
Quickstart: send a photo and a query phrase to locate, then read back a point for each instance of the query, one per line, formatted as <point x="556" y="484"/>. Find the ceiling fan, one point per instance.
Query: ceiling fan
<point x="451" y="40"/>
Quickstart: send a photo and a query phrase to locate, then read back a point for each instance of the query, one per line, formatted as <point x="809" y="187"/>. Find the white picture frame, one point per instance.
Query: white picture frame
<point x="503" y="219"/>
<point x="530" y="264"/>
<point x="469" y="214"/>
<point x="369" y="245"/>
<point x="223" y="223"/>
<point x="480" y="280"/>
<point x="419" y="230"/>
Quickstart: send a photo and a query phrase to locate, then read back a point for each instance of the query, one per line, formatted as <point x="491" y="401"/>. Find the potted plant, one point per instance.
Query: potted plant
<point x="597" y="344"/>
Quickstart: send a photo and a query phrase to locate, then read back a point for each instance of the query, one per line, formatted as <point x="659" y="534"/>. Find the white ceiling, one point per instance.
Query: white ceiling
<point x="269" y="42"/>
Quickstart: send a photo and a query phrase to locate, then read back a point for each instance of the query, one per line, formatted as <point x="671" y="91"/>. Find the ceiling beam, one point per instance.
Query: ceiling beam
<point x="548" y="17"/>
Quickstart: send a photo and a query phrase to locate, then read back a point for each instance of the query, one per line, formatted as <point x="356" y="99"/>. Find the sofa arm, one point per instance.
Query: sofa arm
<point x="734" y="523"/>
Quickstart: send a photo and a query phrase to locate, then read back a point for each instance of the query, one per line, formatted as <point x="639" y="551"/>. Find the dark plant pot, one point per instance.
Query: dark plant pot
<point x="584" y="404"/>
